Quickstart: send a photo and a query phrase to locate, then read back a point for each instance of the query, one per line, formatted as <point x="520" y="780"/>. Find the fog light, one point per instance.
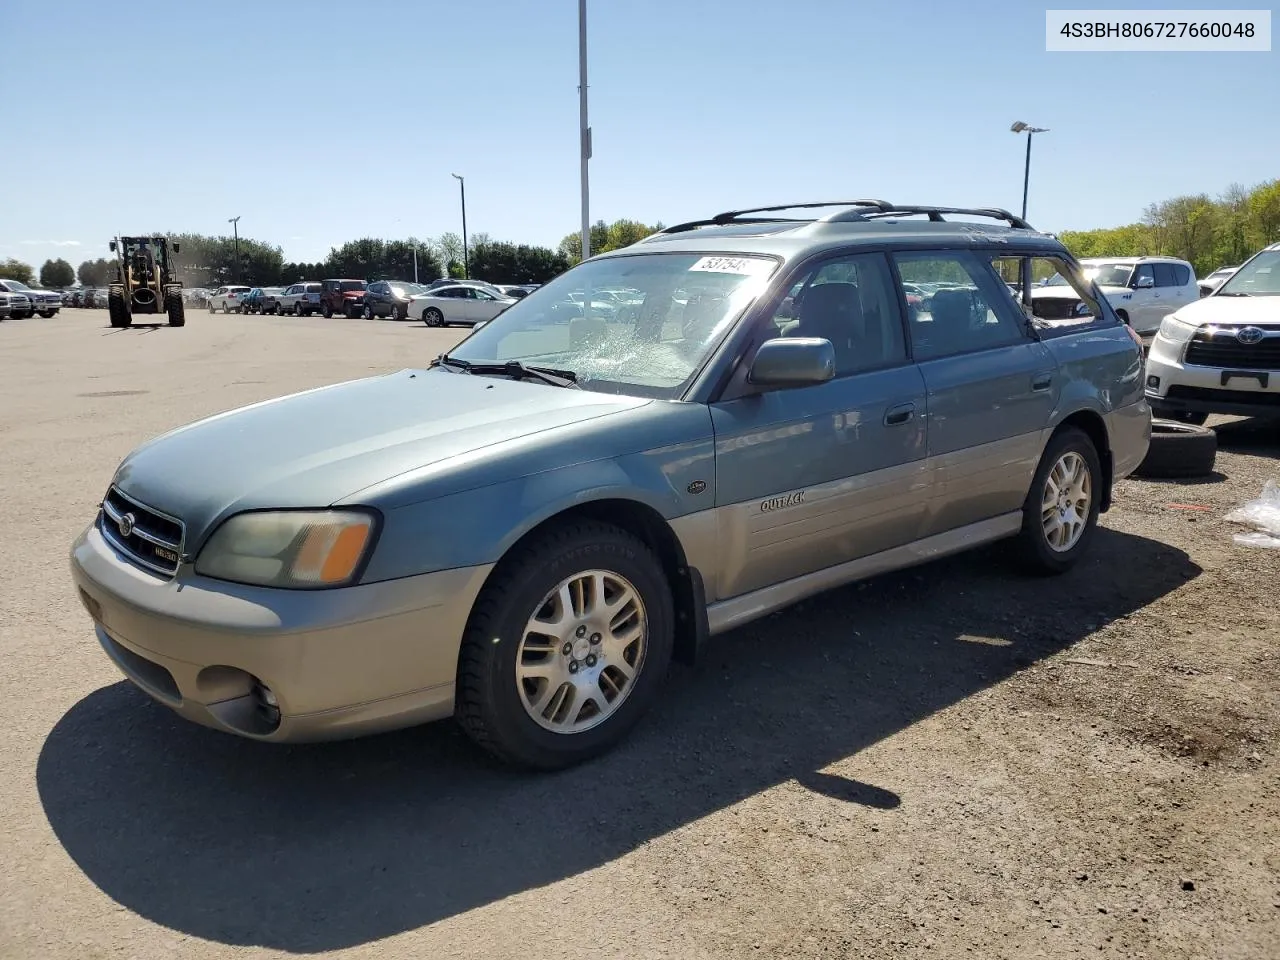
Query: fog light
<point x="1153" y="382"/>
<point x="266" y="706"/>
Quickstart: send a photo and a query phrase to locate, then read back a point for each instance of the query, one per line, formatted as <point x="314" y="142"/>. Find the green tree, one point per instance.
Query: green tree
<point x="606" y="237"/>
<point x="512" y="263"/>
<point x="373" y="259"/>
<point x="57" y="273"/>
<point x="94" y="273"/>
<point x="12" y="269"/>
<point x="1207" y="232"/>
<point x="206" y="261"/>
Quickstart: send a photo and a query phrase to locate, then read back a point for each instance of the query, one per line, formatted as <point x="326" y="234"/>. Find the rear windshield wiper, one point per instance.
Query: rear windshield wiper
<point x="515" y="369"/>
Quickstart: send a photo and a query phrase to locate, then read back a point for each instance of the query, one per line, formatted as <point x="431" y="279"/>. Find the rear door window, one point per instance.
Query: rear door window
<point x="968" y="310"/>
<point x="1166" y="275"/>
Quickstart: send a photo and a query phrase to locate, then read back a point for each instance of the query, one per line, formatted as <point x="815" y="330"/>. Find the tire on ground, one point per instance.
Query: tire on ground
<point x="1037" y="553"/>
<point x="1179" y="450"/>
<point x="176" y="310"/>
<point x="118" y="310"/>
<point x="488" y="700"/>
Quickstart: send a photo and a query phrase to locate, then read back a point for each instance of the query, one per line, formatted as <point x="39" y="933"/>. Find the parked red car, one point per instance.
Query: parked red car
<point x="342" y="296"/>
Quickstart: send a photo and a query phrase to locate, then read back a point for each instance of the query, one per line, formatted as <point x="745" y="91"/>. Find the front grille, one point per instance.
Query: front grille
<point x="146" y="537"/>
<point x="1220" y="348"/>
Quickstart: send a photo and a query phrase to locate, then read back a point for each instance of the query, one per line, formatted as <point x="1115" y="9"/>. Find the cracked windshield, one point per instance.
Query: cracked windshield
<point x="645" y="321"/>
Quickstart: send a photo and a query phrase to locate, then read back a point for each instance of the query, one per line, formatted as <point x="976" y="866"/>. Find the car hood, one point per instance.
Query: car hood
<point x="1252" y="311"/>
<point x="315" y="448"/>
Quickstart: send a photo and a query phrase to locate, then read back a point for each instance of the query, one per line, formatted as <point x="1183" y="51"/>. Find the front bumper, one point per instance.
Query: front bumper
<point x="1173" y="386"/>
<point x="338" y="663"/>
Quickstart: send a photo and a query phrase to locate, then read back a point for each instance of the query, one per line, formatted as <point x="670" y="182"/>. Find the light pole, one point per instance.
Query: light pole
<point x="1020" y="127"/>
<point x="466" y="266"/>
<point x="584" y="131"/>
<point x="235" y="229"/>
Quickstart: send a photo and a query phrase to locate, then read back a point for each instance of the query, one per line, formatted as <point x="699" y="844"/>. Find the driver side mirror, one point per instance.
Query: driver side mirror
<point x="793" y="362"/>
<point x="177" y="248"/>
<point x="112" y="246"/>
<point x="1144" y="283"/>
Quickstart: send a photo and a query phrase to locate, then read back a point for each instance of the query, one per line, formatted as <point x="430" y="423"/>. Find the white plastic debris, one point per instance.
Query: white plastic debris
<point x="1263" y="515"/>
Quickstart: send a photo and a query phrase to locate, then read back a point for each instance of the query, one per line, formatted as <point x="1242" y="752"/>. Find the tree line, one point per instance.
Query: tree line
<point x="1208" y="233"/>
<point x="208" y="261"/>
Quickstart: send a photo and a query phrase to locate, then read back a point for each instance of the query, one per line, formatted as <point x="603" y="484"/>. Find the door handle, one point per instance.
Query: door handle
<point x="899" y="414"/>
<point x="1042" y="381"/>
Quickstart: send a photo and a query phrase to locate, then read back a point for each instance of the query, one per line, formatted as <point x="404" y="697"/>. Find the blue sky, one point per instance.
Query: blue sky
<point x="324" y="121"/>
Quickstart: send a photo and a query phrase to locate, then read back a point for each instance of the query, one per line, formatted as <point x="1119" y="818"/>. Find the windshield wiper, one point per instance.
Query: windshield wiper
<point x="1234" y="293"/>
<point x="515" y="369"/>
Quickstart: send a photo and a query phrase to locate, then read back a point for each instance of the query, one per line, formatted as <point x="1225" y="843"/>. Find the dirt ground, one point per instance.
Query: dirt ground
<point x="953" y="761"/>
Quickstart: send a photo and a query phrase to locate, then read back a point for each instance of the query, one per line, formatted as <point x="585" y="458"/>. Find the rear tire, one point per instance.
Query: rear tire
<point x="1060" y="514"/>
<point x="1179" y="450"/>
<point x="297" y="309"/>
<point x="47" y="314"/>
<point x="212" y="308"/>
<point x="501" y="662"/>
<point x="176" y="310"/>
<point x="118" y="311"/>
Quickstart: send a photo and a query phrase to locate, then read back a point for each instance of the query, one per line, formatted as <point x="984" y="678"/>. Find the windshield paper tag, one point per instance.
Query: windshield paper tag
<point x="743" y="266"/>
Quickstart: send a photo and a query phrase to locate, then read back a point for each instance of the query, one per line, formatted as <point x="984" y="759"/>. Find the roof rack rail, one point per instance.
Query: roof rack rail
<point x="740" y="216"/>
<point x="935" y="214"/>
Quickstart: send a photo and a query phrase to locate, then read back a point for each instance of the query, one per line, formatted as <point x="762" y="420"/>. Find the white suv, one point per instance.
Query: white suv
<point x="1142" y="290"/>
<point x="1221" y="354"/>
<point x="227" y="299"/>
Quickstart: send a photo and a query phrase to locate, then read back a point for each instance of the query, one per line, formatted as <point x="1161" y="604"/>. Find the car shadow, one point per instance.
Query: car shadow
<point x="321" y="847"/>
<point x="1255" y="435"/>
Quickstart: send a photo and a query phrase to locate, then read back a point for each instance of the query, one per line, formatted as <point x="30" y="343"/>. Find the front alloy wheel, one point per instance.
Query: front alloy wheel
<point x="567" y="646"/>
<point x="581" y="651"/>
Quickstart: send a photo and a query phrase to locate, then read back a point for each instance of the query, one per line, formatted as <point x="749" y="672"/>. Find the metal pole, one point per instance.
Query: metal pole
<point x="415" y="263"/>
<point x="235" y="229"/>
<point x="1026" y="176"/>
<point x="584" y="132"/>
<point x="466" y="258"/>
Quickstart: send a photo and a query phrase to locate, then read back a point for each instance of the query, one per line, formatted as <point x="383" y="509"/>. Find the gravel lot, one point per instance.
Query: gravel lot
<point x="956" y="760"/>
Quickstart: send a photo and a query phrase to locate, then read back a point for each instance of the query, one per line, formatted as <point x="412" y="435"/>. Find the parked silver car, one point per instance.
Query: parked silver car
<point x="526" y="532"/>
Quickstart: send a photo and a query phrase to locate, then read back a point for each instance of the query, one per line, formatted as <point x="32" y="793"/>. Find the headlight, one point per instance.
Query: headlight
<point x="1179" y="331"/>
<point x="289" y="548"/>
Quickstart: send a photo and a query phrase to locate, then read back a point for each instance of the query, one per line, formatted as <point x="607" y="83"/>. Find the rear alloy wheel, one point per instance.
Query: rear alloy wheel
<point x="433" y="317"/>
<point x="297" y="309"/>
<point x="1061" y="510"/>
<point x="566" y="648"/>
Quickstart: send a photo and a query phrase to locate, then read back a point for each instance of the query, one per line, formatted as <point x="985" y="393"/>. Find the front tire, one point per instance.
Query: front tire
<point x="566" y="647"/>
<point x="327" y="312"/>
<point x="433" y="317"/>
<point x="1060" y="514"/>
<point x="177" y="312"/>
<point x="118" y="311"/>
<point x="47" y="314"/>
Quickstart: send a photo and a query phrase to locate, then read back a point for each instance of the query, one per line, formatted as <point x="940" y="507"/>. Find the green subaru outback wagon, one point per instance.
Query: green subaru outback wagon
<point x="664" y="443"/>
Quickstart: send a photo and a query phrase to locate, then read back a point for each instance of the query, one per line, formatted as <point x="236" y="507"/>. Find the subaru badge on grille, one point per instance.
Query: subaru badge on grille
<point x="125" y="525"/>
